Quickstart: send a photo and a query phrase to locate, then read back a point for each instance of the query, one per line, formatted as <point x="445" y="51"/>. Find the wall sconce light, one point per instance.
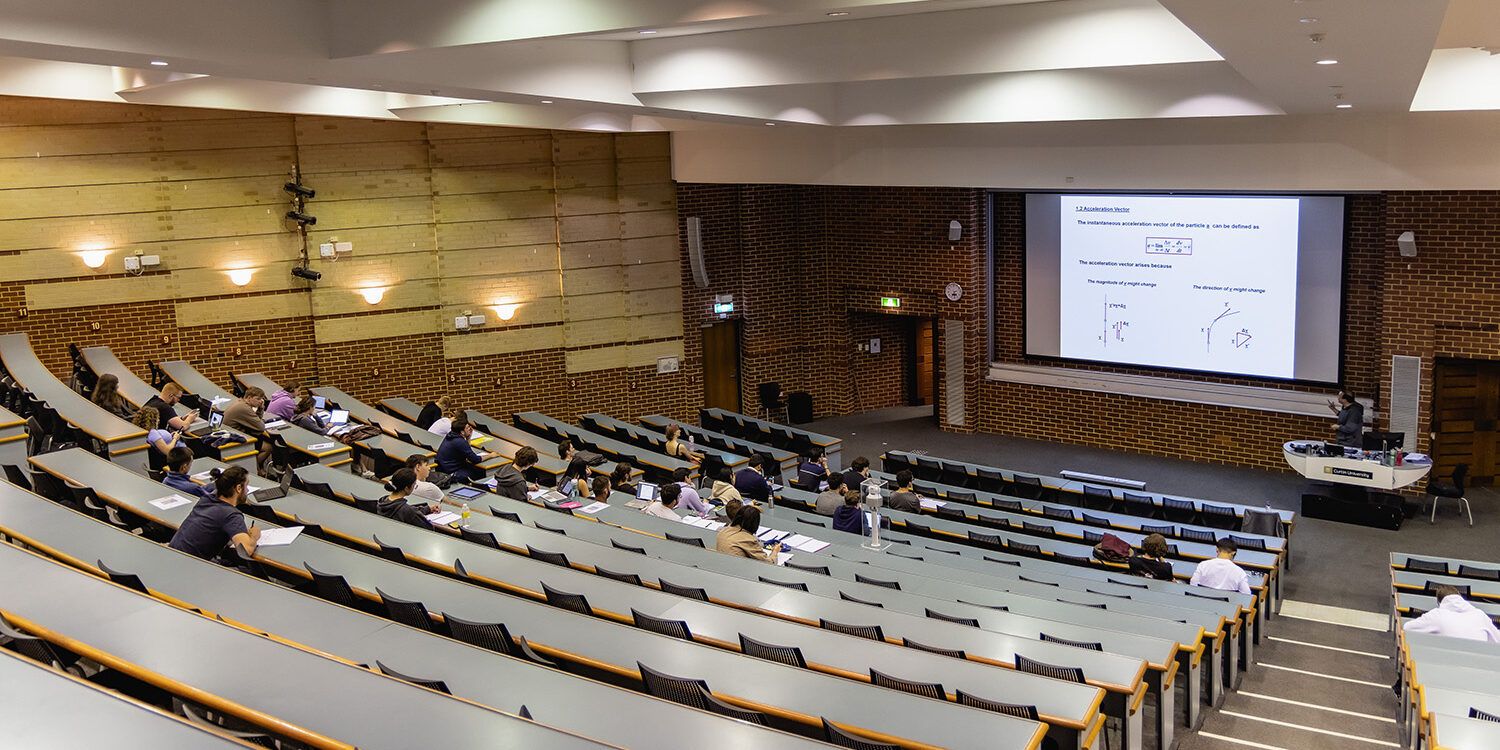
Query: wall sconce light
<point x="241" y="276"/>
<point x="94" y="254"/>
<point x="373" y="295"/>
<point x="505" y="312"/>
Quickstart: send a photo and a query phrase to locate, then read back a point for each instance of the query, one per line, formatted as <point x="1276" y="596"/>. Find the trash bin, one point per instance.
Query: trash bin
<point x="799" y="407"/>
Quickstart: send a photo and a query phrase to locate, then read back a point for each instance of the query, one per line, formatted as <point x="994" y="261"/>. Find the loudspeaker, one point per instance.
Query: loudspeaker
<point x="695" y="252"/>
<point x="955" y="231"/>
<point x="1408" y="244"/>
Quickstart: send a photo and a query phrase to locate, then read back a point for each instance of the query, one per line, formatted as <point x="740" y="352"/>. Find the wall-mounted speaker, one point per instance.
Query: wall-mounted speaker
<point x="955" y="231"/>
<point x="1408" y="244"/>
<point x="695" y="252"/>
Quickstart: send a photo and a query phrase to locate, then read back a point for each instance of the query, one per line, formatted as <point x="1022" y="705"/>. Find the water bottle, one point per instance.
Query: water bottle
<point x="463" y="515"/>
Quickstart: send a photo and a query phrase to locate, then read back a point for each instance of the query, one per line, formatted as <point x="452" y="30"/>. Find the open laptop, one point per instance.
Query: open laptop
<point x="647" y="491"/>
<point x="338" y="418"/>
<point x="320" y="403"/>
<point x="199" y="429"/>
<point x="267" y="494"/>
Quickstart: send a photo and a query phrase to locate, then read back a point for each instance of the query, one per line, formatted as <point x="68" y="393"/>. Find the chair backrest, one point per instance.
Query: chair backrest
<point x="629" y="578"/>
<point x="1206" y="596"/>
<point x="927" y="689"/>
<point x="565" y="600"/>
<point x="35" y="648"/>
<point x="676" y="689"/>
<point x="991" y="541"/>
<point x="394" y="554"/>
<point x="1012" y="709"/>
<point x="1093" y="537"/>
<point x="331" y="587"/>
<point x="405" y="612"/>
<point x="688" y="540"/>
<point x="1431" y="589"/>
<point x="1090" y="645"/>
<point x="957" y="653"/>
<point x="1064" y="514"/>
<point x="1460" y="475"/>
<point x="368" y="506"/>
<point x="857" y="600"/>
<point x="673" y="628"/>
<point x="1067" y="674"/>
<point x="479" y="537"/>
<point x="1084" y="604"/>
<point x="541" y="555"/>
<point x="811" y="522"/>
<point x="839" y="737"/>
<point x="1195" y="535"/>
<point x="489" y="635"/>
<point x="1253" y="542"/>
<point x="789" y="655"/>
<point x="936" y="615"/>
<point x="821" y="570"/>
<point x="687" y="592"/>
<point x="1038" y="580"/>
<point x="872" y="632"/>
<point x="800" y="586"/>
<point x="626" y="547"/>
<point x="877" y="582"/>
<point x="1128" y="583"/>
<point x="504" y="515"/>
<point x="543" y="527"/>
<point x="1037" y="528"/>
<point x="1417" y="565"/>
<point x="128" y="580"/>
<point x="1024" y="548"/>
<point x="733" y="712"/>
<point x="961" y="497"/>
<point x="1013" y="506"/>
<point x="437" y="685"/>
<point x="1475" y="713"/>
<point x="770" y="394"/>
<point x="1099" y="521"/>
<point x="17" y="477"/>
<point x="1489" y="574"/>
<point x="321" y="489"/>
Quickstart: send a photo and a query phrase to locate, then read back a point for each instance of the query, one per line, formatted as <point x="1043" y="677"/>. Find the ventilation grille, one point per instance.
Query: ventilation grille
<point x="1406" y="396"/>
<point x="955" y="412"/>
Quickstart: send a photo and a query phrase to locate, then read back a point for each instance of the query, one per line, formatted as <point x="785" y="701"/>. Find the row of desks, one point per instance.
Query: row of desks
<point x="122" y="440"/>
<point x="624" y="431"/>
<point x="771" y="432"/>
<point x="800" y="695"/>
<point x="722" y="441"/>
<point x="659" y="464"/>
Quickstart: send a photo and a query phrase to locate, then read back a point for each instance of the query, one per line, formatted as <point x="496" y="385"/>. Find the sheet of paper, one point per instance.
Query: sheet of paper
<point x="782" y="557"/>
<point x="279" y="537"/>
<point x="321" y="446"/>
<point x="536" y="493"/>
<point x="796" y="540"/>
<point x="593" y="508"/>
<point x="771" y="535"/>
<point x="715" y="525"/>
<point x="253" y="488"/>
<point x="811" y="545"/>
<point x="202" y="476"/>
<point x="170" y="501"/>
<point x="441" y="518"/>
<point x="275" y="424"/>
<point x="933" y="504"/>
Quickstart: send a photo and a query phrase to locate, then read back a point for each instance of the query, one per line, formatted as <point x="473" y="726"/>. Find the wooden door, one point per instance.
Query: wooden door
<point x="924" y="357"/>
<point x="721" y="366"/>
<point x="1465" y="412"/>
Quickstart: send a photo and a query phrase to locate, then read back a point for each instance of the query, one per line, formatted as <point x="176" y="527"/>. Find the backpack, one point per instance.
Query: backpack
<point x="1112" y="549"/>
<point x="588" y="457"/>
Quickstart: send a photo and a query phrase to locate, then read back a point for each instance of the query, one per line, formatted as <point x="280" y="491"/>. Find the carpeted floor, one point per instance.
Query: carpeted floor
<point x="1332" y="563"/>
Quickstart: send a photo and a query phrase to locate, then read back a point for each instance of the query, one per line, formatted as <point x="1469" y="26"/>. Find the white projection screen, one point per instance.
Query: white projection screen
<point x="1246" y="285"/>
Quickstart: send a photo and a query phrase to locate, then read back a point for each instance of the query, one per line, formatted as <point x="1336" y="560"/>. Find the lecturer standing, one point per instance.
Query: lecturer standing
<point x="1351" y="422"/>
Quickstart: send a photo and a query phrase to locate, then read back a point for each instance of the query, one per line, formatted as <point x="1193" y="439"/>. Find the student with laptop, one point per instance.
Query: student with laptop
<point x="216" y="522"/>
<point x="1220" y="572"/>
<point x="305" y="415"/>
<point x="666" y="500"/>
<point x="511" y="480"/>
<point x="457" y="459"/>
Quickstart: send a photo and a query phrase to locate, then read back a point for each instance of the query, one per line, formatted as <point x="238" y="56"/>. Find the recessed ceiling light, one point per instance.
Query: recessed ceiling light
<point x="546" y="101"/>
<point x="837" y="13"/>
<point x="770" y="124"/>
<point x="1309" y="19"/>
<point x="160" y="63"/>
<point x="1329" y="61"/>
<point x="1344" y="106"/>
<point x="647" y="31"/>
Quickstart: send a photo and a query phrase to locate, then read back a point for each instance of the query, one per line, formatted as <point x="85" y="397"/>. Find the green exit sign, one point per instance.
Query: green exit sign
<point x="890" y="301"/>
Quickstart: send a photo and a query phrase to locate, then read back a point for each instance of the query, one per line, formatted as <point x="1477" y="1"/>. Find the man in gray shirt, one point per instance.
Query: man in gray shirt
<point x="830" y="499"/>
<point x="1351" y="422"/>
<point x="904" y="498"/>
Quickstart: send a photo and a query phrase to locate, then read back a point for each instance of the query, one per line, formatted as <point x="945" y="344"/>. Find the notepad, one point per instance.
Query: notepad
<point x="593" y="508"/>
<point x="811" y="545"/>
<point x="782" y="557"/>
<point x="442" y="517"/>
<point x="771" y="535"/>
<point x="536" y="493"/>
<point x="796" y="540"/>
<point x="279" y="537"/>
<point x="170" y="501"/>
<point x="202" y="476"/>
<point x="932" y="504"/>
<point x="713" y="525"/>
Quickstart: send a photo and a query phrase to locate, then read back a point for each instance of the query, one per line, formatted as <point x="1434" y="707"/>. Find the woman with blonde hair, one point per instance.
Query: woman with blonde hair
<point x="161" y="440"/>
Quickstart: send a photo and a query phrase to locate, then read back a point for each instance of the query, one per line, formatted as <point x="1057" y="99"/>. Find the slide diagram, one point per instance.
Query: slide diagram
<point x="1114" y="328"/>
<point x="1240" y="338"/>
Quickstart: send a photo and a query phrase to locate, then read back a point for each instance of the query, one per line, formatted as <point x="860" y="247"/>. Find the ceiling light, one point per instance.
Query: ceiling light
<point x="241" y="276"/>
<point x="1307" y="20"/>
<point x="373" y="295"/>
<point x="546" y="101"/>
<point x="1329" y="61"/>
<point x="647" y="31"/>
<point x="160" y="63"/>
<point x="770" y="124"/>
<point x="837" y="13"/>
<point x="94" y="258"/>
<point x="1344" y="106"/>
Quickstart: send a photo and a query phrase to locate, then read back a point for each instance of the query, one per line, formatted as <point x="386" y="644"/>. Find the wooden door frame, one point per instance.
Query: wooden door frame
<point x="739" y="360"/>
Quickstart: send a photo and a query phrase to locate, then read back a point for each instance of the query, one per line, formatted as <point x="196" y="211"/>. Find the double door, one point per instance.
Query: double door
<point x="1465" y="417"/>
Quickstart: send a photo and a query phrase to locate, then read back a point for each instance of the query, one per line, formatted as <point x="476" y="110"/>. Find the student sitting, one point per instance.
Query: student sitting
<point x="396" y="506"/>
<point x="305" y="415"/>
<point x="161" y="441"/>
<point x="738" y="538"/>
<point x="1455" y="618"/>
<point x="107" y="396"/>
<point x="575" y="478"/>
<point x="444" y="424"/>
<point x="511" y="481"/>
<point x="857" y="473"/>
<point x="662" y="507"/>
<point x="813" y="470"/>
<point x="283" y="403"/>
<point x="688" y="499"/>
<point x="599" y="488"/>
<point x="243" y="413"/>
<point x="167" y="418"/>
<point x="1149" y="562"/>
<point x="421" y="466"/>
<point x="723" y="490"/>
<point x="1221" y="573"/>
<point x="216" y="521"/>
<point x="676" y="447"/>
<point x="849" y="517"/>
<point x="457" y="459"/>
<point x="829" y="500"/>
<point x="904" y="498"/>
<point x="432" y="411"/>
<point x="619" y="479"/>
<point x="179" y="463"/>
<point x="751" y="482"/>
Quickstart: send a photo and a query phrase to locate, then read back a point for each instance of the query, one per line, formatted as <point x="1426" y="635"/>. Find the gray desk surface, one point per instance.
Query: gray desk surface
<point x="1069" y="485"/>
<point x="827" y="442"/>
<point x="606" y="425"/>
<point x="1462" y="733"/>
<point x="557" y="632"/>
<point x="189" y="379"/>
<point x="545" y="449"/>
<point x="477" y="674"/>
<point x="257" y="380"/>
<point x="1398" y="560"/>
<point x="610" y="445"/>
<point x="738" y="446"/>
<point x="214" y="657"/>
<point x="102" y="360"/>
<point x="297" y="438"/>
<point x="1454" y="702"/>
<point x="547" y="462"/>
<point x="986" y="500"/>
<point x="401" y="438"/>
<point x="1480" y="588"/>
<point x="40" y="707"/>
<point x="404" y="408"/>
<point x="29" y="372"/>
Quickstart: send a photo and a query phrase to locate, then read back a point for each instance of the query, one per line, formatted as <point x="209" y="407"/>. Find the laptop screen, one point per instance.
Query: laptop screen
<point x="338" y="417"/>
<point x="215" y="419"/>
<point x="319" y="402"/>
<point x="467" y="493"/>
<point x="646" y="491"/>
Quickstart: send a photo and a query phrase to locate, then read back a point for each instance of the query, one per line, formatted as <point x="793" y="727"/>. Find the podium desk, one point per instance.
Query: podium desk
<point x="1352" y="468"/>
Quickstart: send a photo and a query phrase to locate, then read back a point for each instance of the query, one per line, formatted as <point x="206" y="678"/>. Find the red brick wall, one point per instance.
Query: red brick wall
<point x="882" y="378"/>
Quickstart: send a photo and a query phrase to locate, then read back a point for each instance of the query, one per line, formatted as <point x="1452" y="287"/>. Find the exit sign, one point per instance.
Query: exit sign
<point x="890" y="301"/>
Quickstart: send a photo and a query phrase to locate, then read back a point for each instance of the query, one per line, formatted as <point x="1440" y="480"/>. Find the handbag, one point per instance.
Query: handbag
<point x="1112" y="549"/>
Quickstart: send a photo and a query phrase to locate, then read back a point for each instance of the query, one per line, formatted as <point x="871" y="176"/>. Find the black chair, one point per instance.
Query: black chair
<point x="406" y="612"/>
<point x="912" y="527"/>
<point x="989" y="480"/>
<point x="505" y="515"/>
<point x="691" y="692"/>
<point x="770" y="399"/>
<point x="1026" y="486"/>
<point x="368" y="506"/>
<point x="437" y="685"/>
<point x="691" y="541"/>
<point x="38" y="650"/>
<point x="1098" y="498"/>
<point x="1255" y="542"/>
<point x="1101" y="593"/>
<point x="128" y="580"/>
<point x="564" y="600"/>
<point x="877" y="582"/>
<point x="394" y="554"/>
<point x="734" y="712"/>
<point x="1220" y="517"/>
<point x="987" y="541"/>
<point x="1166" y="531"/>
<point x="1488" y="574"/>
<point x="857" y="600"/>
<point x="627" y="548"/>
<point x="554" y="558"/>
<point x="1083" y="604"/>
<point x="225" y="724"/>
<point x="1090" y="645"/>
<point x="1196" y="535"/>
<point x="1207" y="596"/>
<point x="673" y="628"/>
<point x="928" y="470"/>
<point x="951" y="513"/>
<point x="1011" y="709"/>
<point x="821" y="570"/>
<point x="956" y="653"/>
<point x="313" y="530"/>
<point x="799" y="586"/>
<point x="629" y="578"/>
<point x="789" y="655"/>
<point x="834" y="735"/>
<point x="332" y="587"/>
<point x="936" y="615"/>
<point x="1097" y="521"/>
<point x="1036" y="580"/>
<point x="493" y="636"/>
<point x="1475" y="713"/>
<point x="543" y="527"/>
<point x="686" y="592"/>
<point x="961" y="497"/>
<point x="321" y="489"/>
<point x="1067" y="674"/>
<point x="479" y="537"/>
<point x="1011" y="506"/>
<point x="810" y="522"/>
<point x="1128" y="583"/>
<point x="1416" y="565"/>
<point x="1072" y="559"/>
<point x="1179" y="511"/>
<point x="1036" y="528"/>
<point x="1431" y="589"/>
<point x="1023" y="548"/>
<point x="926" y="689"/>
<point x="1093" y="537"/>
<point x="872" y="632"/>
<point x="1452" y="489"/>
<point x="17" y="477"/>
